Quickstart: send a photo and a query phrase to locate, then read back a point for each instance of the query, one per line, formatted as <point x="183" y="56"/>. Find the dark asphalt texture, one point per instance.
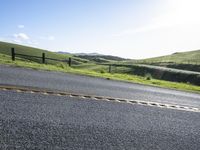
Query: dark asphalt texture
<point x="94" y="86"/>
<point x="36" y="121"/>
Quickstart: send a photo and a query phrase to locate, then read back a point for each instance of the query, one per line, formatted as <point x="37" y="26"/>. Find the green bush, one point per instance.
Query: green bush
<point x="148" y="76"/>
<point x="102" y="71"/>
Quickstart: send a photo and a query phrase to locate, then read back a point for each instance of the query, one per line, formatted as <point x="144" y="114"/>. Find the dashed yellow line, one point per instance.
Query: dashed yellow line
<point x="120" y="100"/>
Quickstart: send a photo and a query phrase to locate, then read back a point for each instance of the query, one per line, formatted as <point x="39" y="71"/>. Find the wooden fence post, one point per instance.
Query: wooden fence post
<point x="43" y="58"/>
<point x="109" y="69"/>
<point x="13" y="54"/>
<point x="70" y="61"/>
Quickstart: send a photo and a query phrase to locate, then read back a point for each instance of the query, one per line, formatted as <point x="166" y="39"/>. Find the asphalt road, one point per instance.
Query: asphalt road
<point x="94" y="86"/>
<point x="36" y="121"/>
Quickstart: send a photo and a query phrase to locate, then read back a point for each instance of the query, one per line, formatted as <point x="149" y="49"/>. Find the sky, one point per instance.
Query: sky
<point x="133" y="29"/>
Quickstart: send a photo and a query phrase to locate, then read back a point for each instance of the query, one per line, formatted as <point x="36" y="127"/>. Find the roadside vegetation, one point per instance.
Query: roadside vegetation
<point x="100" y="71"/>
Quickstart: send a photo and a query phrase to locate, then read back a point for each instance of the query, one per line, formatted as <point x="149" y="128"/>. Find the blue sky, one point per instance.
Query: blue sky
<point x="126" y="28"/>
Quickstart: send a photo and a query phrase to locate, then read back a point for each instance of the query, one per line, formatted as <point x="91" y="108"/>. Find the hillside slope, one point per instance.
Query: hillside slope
<point x="5" y="48"/>
<point x="189" y="60"/>
<point x="101" y="58"/>
<point x="191" y="57"/>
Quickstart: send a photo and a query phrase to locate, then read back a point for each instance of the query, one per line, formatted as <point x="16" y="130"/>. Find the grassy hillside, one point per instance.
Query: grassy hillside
<point x="191" y="57"/>
<point x="5" y="48"/>
<point x="101" y="58"/>
<point x="181" y="60"/>
<point x="79" y="62"/>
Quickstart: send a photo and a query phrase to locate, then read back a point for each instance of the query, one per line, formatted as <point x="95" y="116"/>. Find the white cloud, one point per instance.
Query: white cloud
<point x="21" y="26"/>
<point x="21" y="36"/>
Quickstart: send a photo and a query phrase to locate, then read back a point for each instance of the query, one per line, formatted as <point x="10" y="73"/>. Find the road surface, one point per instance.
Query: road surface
<point x="35" y="121"/>
<point x="40" y="121"/>
<point x="94" y="86"/>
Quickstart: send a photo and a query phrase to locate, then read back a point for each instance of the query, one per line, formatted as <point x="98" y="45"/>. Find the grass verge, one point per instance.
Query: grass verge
<point x="5" y="59"/>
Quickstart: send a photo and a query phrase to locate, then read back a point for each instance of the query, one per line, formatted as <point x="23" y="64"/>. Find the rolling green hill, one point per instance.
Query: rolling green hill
<point x="101" y="58"/>
<point x="191" y="57"/>
<point x="181" y="60"/>
<point x="5" y="48"/>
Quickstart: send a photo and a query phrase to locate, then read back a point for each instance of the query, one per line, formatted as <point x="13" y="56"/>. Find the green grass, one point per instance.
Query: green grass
<point x="191" y="57"/>
<point x="92" y="67"/>
<point x="181" y="60"/>
<point x="5" y="48"/>
<point x="5" y="59"/>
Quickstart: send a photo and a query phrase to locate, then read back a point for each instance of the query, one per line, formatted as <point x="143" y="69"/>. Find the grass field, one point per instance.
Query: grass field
<point x="191" y="57"/>
<point x="181" y="60"/>
<point x="5" y="48"/>
<point x="5" y="59"/>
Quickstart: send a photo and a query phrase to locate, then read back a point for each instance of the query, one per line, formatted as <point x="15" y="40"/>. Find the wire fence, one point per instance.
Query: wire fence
<point x="44" y="60"/>
<point x="43" y="57"/>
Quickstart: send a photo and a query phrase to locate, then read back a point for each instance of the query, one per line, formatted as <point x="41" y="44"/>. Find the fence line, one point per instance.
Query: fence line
<point x="43" y="58"/>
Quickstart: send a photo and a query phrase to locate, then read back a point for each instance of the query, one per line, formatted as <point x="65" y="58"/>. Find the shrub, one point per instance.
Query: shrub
<point x="148" y="76"/>
<point x="102" y="71"/>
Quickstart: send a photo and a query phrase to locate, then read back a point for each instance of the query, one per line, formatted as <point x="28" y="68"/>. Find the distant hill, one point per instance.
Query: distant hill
<point x="88" y="54"/>
<point x="180" y="60"/>
<point x="101" y="58"/>
<point x="61" y="52"/>
<point x="178" y="57"/>
<point x="95" y="57"/>
<point x="79" y="54"/>
<point x="189" y="60"/>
